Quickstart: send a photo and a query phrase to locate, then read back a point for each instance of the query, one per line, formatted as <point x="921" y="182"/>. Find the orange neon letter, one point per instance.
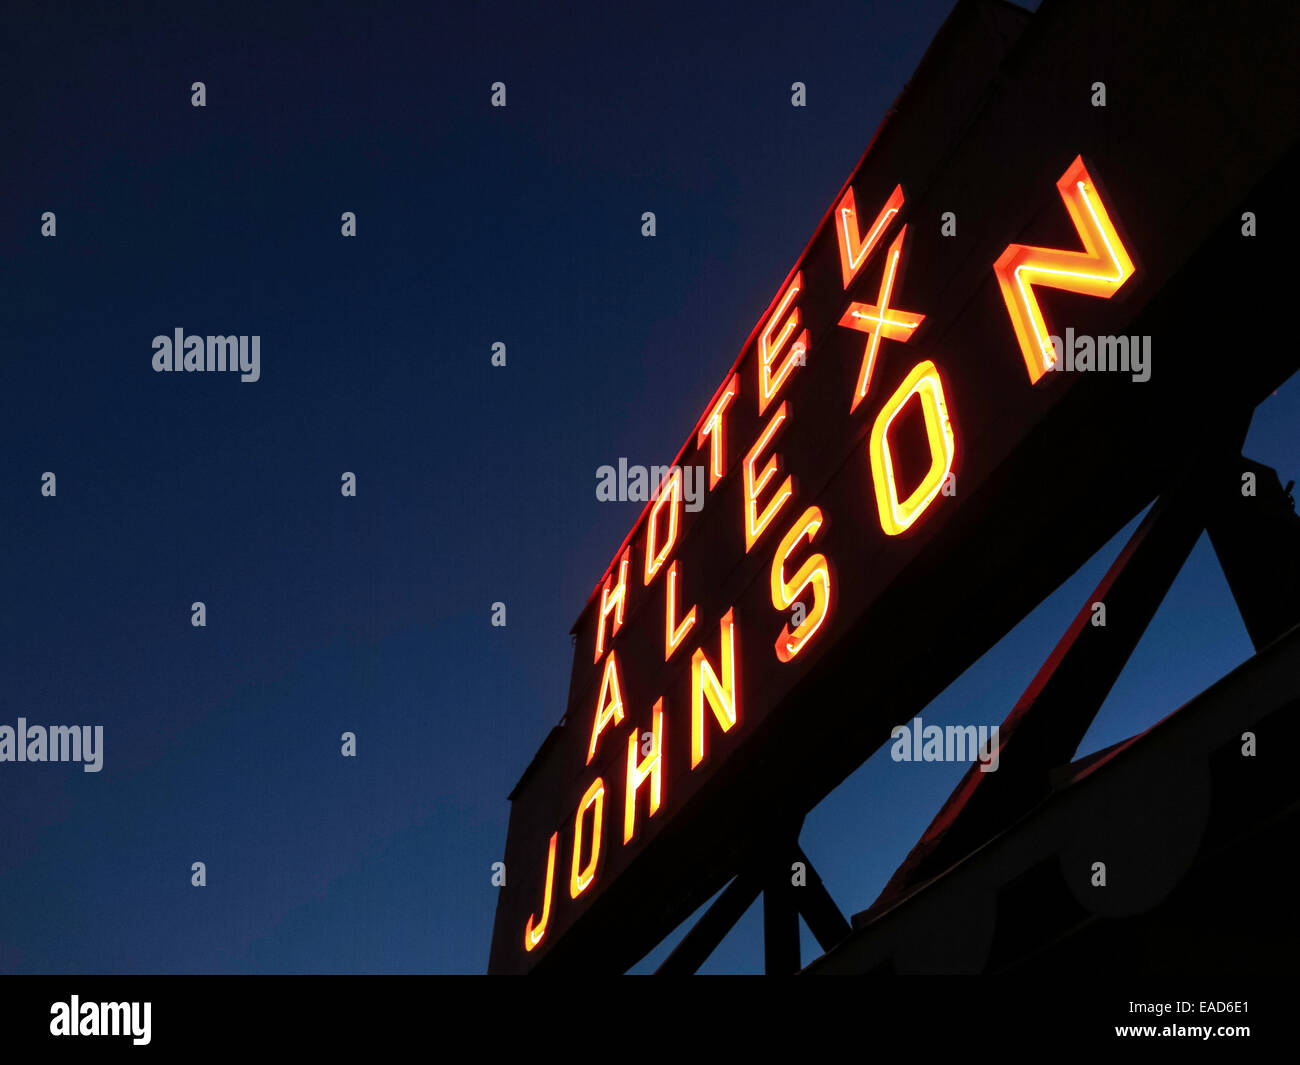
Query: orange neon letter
<point x="880" y="321"/>
<point x="533" y="935"/>
<point x="674" y="633"/>
<point x="612" y="602"/>
<point x="721" y="695"/>
<point x="670" y="495"/>
<point x="1099" y="270"/>
<point x="923" y="382"/>
<point x="770" y="383"/>
<point x="854" y="251"/>
<point x="712" y="429"/>
<point x="580" y="879"/>
<point x="606" y="711"/>
<point x="651" y="766"/>
<point x="755" y="523"/>
<point x="815" y="571"/>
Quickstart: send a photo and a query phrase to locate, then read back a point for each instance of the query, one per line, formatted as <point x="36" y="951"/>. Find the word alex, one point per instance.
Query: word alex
<point x="243" y="355"/>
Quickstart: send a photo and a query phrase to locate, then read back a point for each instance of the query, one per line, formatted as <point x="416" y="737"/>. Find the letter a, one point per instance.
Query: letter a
<point x="609" y="707"/>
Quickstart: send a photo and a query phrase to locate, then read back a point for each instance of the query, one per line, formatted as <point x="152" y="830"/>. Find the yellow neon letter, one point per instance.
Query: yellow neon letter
<point x="673" y="636"/>
<point x="815" y="571"/>
<point x="606" y="711"/>
<point x="881" y="320"/>
<point x="755" y="523"/>
<point x="1099" y="270"/>
<point x="923" y="382"/>
<point x="770" y="383"/>
<point x="580" y="879"/>
<point x="670" y="495"/>
<point x="637" y="772"/>
<point x="853" y="250"/>
<point x="721" y="695"/>
<point x="533" y="936"/>
<point x="612" y="602"/>
<point x="712" y="430"/>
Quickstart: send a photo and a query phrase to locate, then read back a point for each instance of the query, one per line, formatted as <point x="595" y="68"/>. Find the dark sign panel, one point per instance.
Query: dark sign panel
<point x="970" y="378"/>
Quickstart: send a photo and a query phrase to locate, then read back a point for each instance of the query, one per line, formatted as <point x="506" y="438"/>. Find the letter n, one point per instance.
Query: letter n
<point x="721" y="695"/>
<point x="1099" y="270"/>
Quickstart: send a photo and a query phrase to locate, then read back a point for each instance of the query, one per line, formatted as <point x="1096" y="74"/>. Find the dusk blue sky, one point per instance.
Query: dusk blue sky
<point x="475" y="484"/>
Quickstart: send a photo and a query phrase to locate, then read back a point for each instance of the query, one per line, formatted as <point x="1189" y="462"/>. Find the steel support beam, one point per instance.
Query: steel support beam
<point x="719" y="919"/>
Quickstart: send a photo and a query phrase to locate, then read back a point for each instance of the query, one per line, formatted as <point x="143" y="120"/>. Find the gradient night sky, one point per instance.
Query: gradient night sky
<point x="476" y="484"/>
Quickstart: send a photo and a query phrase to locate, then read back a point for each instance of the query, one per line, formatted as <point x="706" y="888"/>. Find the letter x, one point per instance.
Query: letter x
<point x="881" y="320"/>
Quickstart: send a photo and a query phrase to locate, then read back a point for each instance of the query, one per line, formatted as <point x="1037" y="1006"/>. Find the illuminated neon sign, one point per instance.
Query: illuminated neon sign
<point x="898" y="413"/>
